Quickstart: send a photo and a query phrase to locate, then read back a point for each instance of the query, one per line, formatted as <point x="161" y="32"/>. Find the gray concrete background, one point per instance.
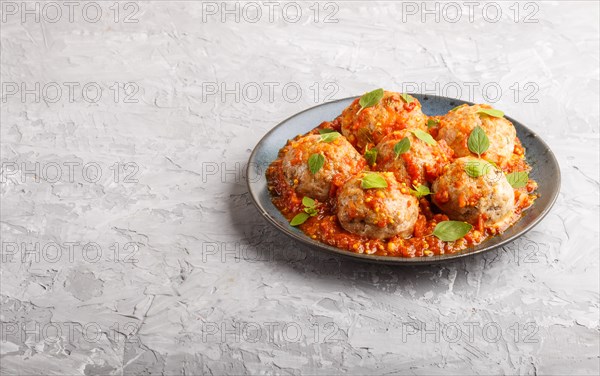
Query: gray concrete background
<point x="129" y="242"/>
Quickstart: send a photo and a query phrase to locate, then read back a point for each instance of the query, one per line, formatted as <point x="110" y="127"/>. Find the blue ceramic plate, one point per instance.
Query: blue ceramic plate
<point x="545" y="171"/>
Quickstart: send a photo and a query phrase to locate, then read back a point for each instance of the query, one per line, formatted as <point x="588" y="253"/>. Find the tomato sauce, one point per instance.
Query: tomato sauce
<point x="326" y="228"/>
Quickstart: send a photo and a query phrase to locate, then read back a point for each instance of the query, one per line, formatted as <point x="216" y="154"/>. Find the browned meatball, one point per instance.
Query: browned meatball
<point x="377" y="212"/>
<point x="420" y="164"/>
<point x="456" y="126"/>
<point x="365" y="128"/>
<point x="341" y="161"/>
<point x="466" y="198"/>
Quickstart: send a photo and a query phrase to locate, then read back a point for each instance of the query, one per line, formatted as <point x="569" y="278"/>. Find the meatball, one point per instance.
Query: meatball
<point x="488" y="197"/>
<point x="456" y="126"/>
<point x="340" y="162"/>
<point x="377" y="212"/>
<point x="366" y="127"/>
<point x="420" y="164"/>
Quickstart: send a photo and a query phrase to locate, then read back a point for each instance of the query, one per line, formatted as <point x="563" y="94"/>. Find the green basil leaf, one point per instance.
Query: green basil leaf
<point x="308" y="202"/>
<point x="518" y="179"/>
<point x="491" y="112"/>
<point x="477" y="167"/>
<point x="299" y="219"/>
<point x="370" y="99"/>
<point x="402" y="146"/>
<point x="450" y="231"/>
<point x="407" y="98"/>
<point x="315" y="162"/>
<point x="456" y="108"/>
<point x="371" y="156"/>
<point x="325" y="131"/>
<point x="423" y="136"/>
<point x="330" y="136"/>
<point x="311" y="211"/>
<point x="420" y="191"/>
<point x="432" y="123"/>
<point x="478" y="141"/>
<point x="373" y="180"/>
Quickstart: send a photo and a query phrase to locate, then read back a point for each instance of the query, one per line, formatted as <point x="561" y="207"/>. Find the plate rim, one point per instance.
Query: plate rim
<point x="397" y="260"/>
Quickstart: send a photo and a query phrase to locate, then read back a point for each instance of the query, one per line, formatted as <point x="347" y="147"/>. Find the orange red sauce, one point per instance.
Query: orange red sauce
<point x="325" y="227"/>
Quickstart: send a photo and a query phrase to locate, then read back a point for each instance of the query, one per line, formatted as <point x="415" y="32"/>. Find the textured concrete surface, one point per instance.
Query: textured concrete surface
<point x="129" y="242"/>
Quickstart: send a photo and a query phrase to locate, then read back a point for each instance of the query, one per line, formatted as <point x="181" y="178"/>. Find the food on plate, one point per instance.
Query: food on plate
<point x="383" y="178"/>
<point x="366" y="121"/>
<point x="375" y="205"/>
<point x="412" y="155"/>
<point x="312" y="164"/>
<point x="472" y="190"/>
<point x="455" y="127"/>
